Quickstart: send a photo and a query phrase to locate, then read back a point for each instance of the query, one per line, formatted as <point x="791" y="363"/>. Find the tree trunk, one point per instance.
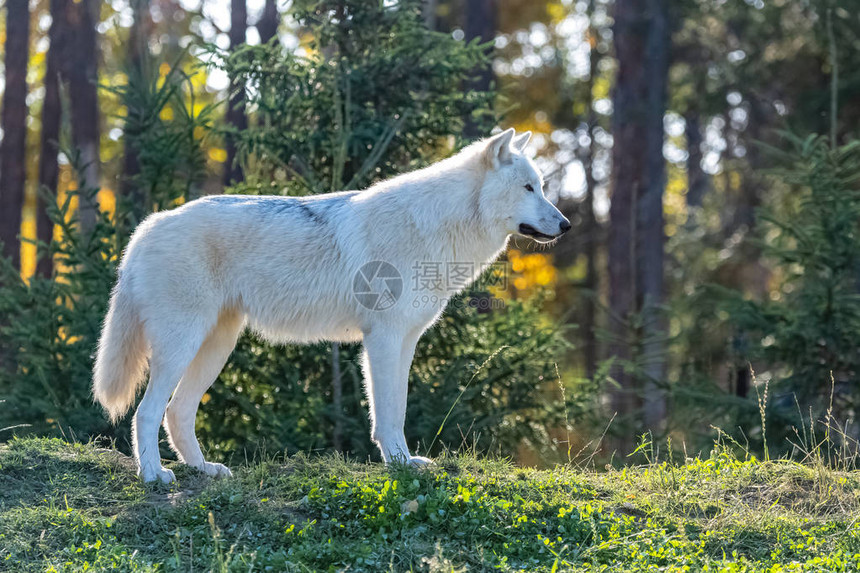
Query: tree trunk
<point x="81" y="73"/>
<point x="697" y="179"/>
<point x="751" y="181"/>
<point x="236" y="110"/>
<point x="49" y="169"/>
<point x="590" y="227"/>
<point x="480" y="22"/>
<point x="267" y="25"/>
<point x="428" y="12"/>
<point x="636" y="236"/>
<point x="13" y="162"/>
<point x="622" y="289"/>
<point x="138" y="46"/>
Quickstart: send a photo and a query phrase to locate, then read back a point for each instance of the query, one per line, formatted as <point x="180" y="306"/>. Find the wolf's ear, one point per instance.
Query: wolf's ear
<point x="521" y="141"/>
<point x="499" y="148"/>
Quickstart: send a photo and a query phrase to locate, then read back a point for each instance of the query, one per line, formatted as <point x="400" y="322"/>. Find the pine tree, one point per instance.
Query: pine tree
<point x="808" y="331"/>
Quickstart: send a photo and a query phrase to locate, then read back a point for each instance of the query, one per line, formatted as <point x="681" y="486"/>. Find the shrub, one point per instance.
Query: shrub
<point x="49" y="328"/>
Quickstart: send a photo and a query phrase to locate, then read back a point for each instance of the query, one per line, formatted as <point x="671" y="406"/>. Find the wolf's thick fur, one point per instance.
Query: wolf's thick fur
<point x="193" y="278"/>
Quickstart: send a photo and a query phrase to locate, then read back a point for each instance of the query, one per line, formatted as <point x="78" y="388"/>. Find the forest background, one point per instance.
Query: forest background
<point x="705" y="152"/>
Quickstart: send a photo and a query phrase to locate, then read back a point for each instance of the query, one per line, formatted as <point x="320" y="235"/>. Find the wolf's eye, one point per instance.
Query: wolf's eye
<point x="530" y="188"/>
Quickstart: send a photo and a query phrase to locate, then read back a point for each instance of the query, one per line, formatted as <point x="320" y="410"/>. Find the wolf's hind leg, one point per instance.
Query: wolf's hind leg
<point x="204" y="369"/>
<point x="173" y="349"/>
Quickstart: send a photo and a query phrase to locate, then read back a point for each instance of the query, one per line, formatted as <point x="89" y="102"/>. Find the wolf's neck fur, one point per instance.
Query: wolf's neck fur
<point x="442" y="204"/>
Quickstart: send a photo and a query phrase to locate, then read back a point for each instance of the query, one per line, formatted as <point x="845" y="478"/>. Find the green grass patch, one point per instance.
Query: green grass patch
<point x="77" y="507"/>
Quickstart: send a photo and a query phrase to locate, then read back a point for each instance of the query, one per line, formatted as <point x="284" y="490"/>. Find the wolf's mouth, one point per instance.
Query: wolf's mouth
<point x="530" y="231"/>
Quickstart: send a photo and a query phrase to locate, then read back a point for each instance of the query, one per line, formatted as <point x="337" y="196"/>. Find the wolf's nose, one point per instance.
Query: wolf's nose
<point x="564" y="226"/>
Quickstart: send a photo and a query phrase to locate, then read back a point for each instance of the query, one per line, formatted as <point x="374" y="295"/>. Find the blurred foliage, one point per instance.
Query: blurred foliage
<point x="328" y="119"/>
<point x="49" y="328"/>
<point x="798" y="333"/>
<point x="165" y="128"/>
<point x="807" y="329"/>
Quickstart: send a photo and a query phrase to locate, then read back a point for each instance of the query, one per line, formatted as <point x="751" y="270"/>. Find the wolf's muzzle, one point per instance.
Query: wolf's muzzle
<point x="530" y="231"/>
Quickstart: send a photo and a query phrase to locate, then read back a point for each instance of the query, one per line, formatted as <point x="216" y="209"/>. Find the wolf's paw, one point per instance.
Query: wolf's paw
<point x="420" y="462"/>
<point x="215" y="470"/>
<point x="161" y="474"/>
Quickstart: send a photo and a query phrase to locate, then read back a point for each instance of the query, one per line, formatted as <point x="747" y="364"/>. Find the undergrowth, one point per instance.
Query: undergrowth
<point x="79" y="507"/>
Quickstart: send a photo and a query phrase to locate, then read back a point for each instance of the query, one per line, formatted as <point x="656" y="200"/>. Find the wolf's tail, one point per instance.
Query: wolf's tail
<point x="122" y="356"/>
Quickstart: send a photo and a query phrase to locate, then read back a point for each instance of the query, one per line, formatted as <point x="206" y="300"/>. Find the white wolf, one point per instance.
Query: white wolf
<point x="303" y="270"/>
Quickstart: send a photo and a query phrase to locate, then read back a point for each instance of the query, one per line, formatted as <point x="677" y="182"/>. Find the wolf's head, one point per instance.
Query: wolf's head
<point x="512" y="192"/>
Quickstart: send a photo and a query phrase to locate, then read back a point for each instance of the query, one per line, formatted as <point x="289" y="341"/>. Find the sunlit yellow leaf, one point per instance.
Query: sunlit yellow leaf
<point x="218" y="154"/>
<point x="735" y="180"/>
<point x="107" y="201"/>
<point x="545" y="276"/>
<point x="602" y="87"/>
<point x="28" y="249"/>
<point x="556" y="11"/>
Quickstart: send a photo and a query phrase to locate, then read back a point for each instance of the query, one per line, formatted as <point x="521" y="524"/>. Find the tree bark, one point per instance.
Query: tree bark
<point x="480" y="22"/>
<point x="428" y="12"/>
<point x="81" y="73"/>
<point x="590" y="226"/>
<point x="13" y="163"/>
<point x="751" y="181"/>
<point x="49" y="169"/>
<point x="636" y="235"/>
<point x="138" y="35"/>
<point x="236" y="105"/>
<point x="697" y="179"/>
<point x="267" y="26"/>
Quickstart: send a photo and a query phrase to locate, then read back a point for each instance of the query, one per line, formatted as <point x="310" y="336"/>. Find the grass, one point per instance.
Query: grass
<point x="77" y="507"/>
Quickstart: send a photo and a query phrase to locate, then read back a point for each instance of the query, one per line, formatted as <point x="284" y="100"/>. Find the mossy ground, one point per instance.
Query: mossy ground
<point x="77" y="507"/>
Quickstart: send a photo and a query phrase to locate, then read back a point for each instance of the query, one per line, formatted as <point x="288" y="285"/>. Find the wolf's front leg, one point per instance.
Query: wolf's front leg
<point x="386" y="360"/>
